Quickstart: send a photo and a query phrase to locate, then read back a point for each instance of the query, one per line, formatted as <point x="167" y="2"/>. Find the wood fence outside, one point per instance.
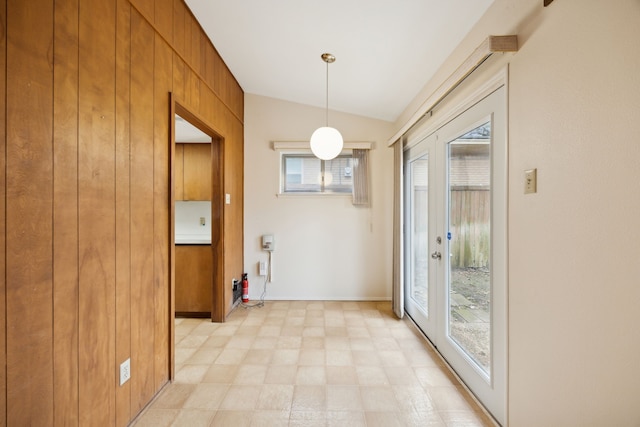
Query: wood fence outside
<point x="469" y="225"/>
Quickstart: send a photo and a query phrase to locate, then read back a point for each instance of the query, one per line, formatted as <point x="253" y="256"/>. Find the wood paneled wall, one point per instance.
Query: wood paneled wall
<point x="3" y="204"/>
<point x="85" y="200"/>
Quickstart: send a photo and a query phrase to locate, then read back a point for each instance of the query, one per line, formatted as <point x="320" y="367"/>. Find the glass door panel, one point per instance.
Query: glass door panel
<point x="469" y="235"/>
<point x="420" y="234"/>
<point x="419" y="285"/>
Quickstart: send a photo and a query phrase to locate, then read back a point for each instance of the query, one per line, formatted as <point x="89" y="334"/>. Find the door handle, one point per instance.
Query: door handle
<point x="436" y="255"/>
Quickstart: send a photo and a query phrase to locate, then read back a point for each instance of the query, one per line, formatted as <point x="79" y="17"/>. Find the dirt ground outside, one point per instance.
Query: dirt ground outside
<point x="470" y="310"/>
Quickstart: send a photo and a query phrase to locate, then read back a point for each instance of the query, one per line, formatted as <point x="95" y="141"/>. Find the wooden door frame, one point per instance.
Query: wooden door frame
<point x="217" y="217"/>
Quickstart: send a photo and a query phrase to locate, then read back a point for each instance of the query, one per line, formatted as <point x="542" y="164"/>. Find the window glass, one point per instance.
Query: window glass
<point x="337" y="175"/>
<point x="301" y="173"/>
<point x="305" y="173"/>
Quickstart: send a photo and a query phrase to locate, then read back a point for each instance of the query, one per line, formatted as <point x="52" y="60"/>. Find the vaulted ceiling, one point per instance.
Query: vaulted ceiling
<point x="385" y="50"/>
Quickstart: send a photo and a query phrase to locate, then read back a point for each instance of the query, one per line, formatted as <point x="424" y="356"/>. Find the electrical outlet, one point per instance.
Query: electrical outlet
<point x="262" y="268"/>
<point x="202" y="221"/>
<point x="125" y="371"/>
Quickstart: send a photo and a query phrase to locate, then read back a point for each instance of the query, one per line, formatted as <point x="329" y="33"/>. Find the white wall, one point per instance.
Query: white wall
<point x="326" y="248"/>
<point x="188" y="227"/>
<point x="574" y="247"/>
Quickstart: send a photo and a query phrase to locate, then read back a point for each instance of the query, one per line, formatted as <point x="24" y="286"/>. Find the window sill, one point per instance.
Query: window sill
<point x="301" y="194"/>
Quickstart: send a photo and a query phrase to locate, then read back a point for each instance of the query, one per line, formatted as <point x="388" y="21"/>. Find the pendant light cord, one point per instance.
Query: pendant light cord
<point x="327" y="97"/>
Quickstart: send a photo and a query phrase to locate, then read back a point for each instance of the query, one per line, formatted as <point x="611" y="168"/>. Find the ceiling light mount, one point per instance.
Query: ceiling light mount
<point x="326" y="142"/>
<point x="328" y="58"/>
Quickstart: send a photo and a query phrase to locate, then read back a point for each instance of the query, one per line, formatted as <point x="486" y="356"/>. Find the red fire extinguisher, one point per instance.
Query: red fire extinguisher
<point x="245" y="288"/>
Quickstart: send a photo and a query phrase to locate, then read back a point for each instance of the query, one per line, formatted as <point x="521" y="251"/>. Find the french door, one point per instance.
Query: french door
<point x="455" y="236"/>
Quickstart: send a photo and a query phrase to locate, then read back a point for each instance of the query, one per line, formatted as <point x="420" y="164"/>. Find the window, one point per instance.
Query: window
<point x="305" y="173"/>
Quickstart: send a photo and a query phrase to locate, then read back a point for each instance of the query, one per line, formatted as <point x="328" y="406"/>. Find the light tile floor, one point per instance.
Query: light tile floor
<point x="309" y="363"/>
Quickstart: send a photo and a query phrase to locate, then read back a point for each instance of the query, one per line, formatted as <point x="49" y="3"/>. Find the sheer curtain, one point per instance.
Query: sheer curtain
<point x="360" y="176"/>
<point x="398" y="242"/>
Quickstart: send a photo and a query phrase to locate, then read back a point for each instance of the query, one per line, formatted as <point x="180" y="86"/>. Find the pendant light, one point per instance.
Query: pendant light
<point x="326" y="142"/>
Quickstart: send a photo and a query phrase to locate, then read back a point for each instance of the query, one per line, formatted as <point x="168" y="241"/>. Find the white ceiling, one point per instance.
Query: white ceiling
<point x="385" y="50"/>
<point x="186" y="132"/>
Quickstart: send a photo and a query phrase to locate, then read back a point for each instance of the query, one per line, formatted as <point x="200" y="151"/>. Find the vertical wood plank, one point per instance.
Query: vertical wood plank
<point x="142" y="183"/>
<point x="237" y="97"/>
<point x="195" y="44"/>
<point x="220" y="111"/>
<point x="204" y="47"/>
<point x="207" y="103"/>
<point x="178" y="171"/>
<point x="163" y="79"/>
<point x="146" y="8"/>
<point x="123" y="208"/>
<point x="164" y="18"/>
<point x="172" y="233"/>
<point x="179" y="78"/>
<point x="209" y="54"/>
<point x="218" y="74"/>
<point x="96" y="213"/>
<point x="193" y="89"/>
<point x="188" y="19"/>
<point x="178" y="25"/>
<point x="3" y="168"/>
<point x="29" y="233"/>
<point x="238" y="101"/>
<point x="233" y="182"/>
<point x="187" y="86"/>
<point x="218" y="227"/>
<point x="65" y="213"/>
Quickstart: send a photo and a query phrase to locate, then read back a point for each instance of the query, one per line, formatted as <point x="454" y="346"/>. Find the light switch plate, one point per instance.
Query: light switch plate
<point x="227" y="198"/>
<point x="530" y="181"/>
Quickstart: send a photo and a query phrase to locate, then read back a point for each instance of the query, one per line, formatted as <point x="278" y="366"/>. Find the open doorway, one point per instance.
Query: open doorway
<point x="196" y="220"/>
<point x="192" y="221"/>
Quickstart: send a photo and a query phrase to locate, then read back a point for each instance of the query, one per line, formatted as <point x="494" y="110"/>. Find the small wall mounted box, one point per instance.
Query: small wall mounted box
<point x="268" y="243"/>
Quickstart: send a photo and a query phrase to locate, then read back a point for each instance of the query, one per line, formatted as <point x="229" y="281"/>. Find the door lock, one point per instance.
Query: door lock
<point x="436" y="255"/>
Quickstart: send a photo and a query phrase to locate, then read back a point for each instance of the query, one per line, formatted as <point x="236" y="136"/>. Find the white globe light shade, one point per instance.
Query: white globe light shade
<point x="326" y="143"/>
